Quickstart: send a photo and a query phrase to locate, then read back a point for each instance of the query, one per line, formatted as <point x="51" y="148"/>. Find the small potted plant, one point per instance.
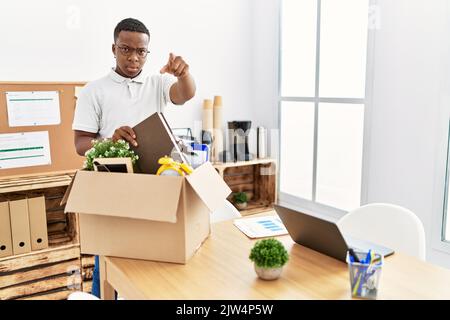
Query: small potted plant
<point x="106" y="148"/>
<point x="269" y="257"/>
<point x="240" y="199"/>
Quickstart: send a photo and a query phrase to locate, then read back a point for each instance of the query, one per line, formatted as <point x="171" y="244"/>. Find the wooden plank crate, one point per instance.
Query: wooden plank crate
<point x="44" y="274"/>
<point x="256" y="178"/>
<point x="87" y="271"/>
<point x="52" y="273"/>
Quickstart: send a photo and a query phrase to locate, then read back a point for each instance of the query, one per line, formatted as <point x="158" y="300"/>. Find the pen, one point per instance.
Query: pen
<point x="368" y="258"/>
<point x="358" y="274"/>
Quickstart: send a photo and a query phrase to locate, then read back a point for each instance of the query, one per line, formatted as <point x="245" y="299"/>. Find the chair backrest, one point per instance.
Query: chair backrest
<point x="390" y="225"/>
<point x="227" y="212"/>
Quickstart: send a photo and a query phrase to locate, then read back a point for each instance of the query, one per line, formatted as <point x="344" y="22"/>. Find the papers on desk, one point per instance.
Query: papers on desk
<point x="261" y="227"/>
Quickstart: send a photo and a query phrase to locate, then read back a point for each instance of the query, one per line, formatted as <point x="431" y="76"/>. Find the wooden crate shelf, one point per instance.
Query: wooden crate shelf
<point x="87" y="270"/>
<point x="257" y="178"/>
<point x="52" y="273"/>
<point x="39" y="273"/>
<point x="35" y="181"/>
<point x="58" y="287"/>
<point x="87" y="286"/>
<point x="87" y="263"/>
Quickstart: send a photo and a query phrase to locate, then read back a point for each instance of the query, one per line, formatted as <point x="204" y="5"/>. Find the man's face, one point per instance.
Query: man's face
<point x="130" y="50"/>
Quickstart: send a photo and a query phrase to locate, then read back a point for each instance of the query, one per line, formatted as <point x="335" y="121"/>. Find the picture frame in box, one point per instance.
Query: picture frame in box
<point x="123" y="165"/>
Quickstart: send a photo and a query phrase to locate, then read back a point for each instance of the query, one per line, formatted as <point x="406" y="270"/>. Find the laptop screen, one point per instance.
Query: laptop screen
<point x="312" y="232"/>
<point x="323" y="235"/>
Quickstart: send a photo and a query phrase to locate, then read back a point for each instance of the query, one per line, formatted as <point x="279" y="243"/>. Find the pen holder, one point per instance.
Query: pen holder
<point x="364" y="277"/>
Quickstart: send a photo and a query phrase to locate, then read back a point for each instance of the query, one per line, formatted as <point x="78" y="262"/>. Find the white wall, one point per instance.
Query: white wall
<point x="265" y="60"/>
<point x="63" y="40"/>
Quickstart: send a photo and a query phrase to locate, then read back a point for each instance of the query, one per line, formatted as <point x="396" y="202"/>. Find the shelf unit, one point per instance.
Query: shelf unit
<point x="55" y="272"/>
<point x="257" y="178"/>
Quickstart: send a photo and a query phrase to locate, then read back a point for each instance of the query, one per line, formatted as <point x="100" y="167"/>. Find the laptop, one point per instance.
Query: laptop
<point x="323" y="236"/>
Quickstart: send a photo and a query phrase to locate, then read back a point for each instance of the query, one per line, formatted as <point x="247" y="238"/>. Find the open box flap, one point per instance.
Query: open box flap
<point x="209" y="186"/>
<point x="138" y="196"/>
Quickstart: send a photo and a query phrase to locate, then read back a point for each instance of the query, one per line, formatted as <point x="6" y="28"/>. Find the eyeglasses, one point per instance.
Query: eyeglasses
<point x="127" y="51"/>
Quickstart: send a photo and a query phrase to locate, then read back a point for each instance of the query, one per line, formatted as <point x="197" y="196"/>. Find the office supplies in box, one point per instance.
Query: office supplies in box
<point x="134" y="215"/>
<point x="170" y="167"/>
<point x="113" y="165"/>
<point x="199" y="154"/>
<point x="155" y="140"/>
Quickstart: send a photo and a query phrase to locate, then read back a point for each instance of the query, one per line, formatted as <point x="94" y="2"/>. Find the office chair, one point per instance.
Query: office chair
<point x="390" y="225"/>
<point x="227" y="212"/>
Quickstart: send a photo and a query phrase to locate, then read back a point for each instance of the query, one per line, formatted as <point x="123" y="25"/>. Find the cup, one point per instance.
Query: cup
<point x="364" y="277"/>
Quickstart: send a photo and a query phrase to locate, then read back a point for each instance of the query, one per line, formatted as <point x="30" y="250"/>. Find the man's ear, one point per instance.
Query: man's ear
<point x="113" y="47"/>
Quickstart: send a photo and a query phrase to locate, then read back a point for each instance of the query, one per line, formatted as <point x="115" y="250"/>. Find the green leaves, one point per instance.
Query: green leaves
<point x="240" y="197"/>
<point x="269" y="253"/>
<point x="106" y="148"/>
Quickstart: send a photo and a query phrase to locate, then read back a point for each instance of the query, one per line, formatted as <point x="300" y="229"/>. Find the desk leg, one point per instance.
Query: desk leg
<point x="106" y="290"/>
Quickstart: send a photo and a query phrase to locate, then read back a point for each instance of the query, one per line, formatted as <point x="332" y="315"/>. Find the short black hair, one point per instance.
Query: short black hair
<point x="130" y="24"/>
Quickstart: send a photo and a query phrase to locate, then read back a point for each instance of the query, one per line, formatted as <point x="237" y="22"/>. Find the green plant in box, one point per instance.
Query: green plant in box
<point x="269" y="256"/>
<point x="106" y="148"/>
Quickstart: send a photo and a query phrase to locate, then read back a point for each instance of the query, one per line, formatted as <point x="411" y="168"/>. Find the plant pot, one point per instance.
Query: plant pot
<point x="268" y="273"/>
<point x="241" y="205"/>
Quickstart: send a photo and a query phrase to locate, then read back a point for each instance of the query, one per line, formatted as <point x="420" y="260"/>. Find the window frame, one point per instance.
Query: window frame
<point x="441" y="186"/>
<point x="442" y="169"/>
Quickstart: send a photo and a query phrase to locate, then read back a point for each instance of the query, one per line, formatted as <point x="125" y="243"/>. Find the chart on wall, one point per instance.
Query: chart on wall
<point x="33" y="108"/>
<point x="24" y="149"/>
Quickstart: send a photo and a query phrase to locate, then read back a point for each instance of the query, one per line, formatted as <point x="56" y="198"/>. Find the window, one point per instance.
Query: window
<point x="322" y="101"/>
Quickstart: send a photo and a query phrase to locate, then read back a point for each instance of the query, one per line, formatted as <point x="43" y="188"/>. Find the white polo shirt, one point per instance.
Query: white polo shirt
<point x="114" y="101"/>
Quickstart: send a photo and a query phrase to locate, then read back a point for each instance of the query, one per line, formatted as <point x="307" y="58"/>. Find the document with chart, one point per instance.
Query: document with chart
<point x="24" y="149"/>
<point x="33" y="108"/>
<point x="261" y="227"/>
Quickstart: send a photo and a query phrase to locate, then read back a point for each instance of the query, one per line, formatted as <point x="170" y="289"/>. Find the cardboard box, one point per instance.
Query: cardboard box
<point x="20" y="226"/>
<point x="38" y="223"/>
<point x="143" y="216"/>
<point x="5" y="231"/>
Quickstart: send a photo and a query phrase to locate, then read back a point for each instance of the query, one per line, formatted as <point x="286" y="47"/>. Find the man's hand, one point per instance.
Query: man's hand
<point x="184" y="89"/>
<point x="125" y="133"/>
<point x="176" y="66"/>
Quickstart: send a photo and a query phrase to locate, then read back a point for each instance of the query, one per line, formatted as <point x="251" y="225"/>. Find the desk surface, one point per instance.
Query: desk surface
<point x="221" y="269"/>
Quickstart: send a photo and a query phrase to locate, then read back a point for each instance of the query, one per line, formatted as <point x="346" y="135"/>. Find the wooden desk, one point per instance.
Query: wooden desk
<point x="221" y="270"/>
